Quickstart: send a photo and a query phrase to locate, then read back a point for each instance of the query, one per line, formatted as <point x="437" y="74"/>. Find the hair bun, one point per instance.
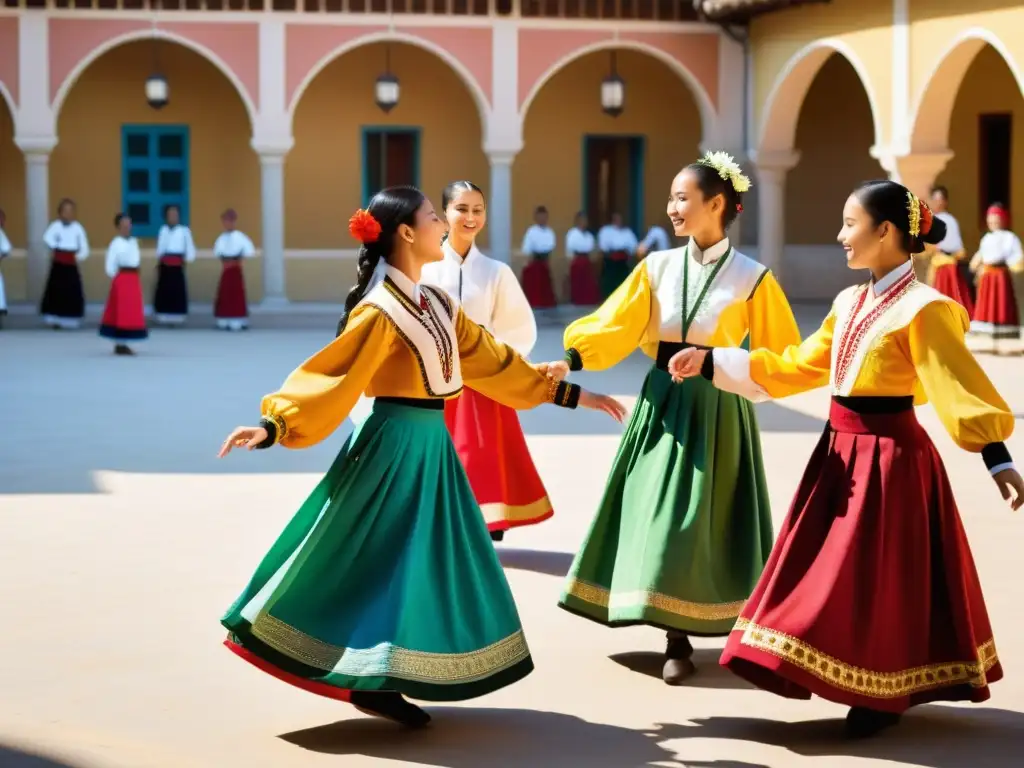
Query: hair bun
<point x="936" y="233"/>
<point x="364" y="227"/>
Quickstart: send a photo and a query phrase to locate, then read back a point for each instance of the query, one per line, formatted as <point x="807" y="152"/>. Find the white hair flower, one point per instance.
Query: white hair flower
<point x="728" y="169"/>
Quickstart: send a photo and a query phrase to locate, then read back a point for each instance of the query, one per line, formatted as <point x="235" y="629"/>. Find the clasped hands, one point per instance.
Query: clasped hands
<point x="686" y="363"/>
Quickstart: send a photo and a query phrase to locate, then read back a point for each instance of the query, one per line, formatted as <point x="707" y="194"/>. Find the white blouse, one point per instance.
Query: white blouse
<point x="953" y="242"/>
<point x="5" y="244"/>
<point x="233" y="244"/>
<point x="579" y="241"/>
<point x="1001" y="247"/>
<point x="656" y="239"/>
<point x="67" y="237"/>
<point x="539" y="240"/>
<point x="489" y="294"/>
<point x="611" y="239"/>
<point x="123" y="252"/>
<point x="176" y="241"/>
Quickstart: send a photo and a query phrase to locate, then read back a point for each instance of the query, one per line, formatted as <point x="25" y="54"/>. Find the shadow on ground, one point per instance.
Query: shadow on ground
<point x="536" y="560"/>
<point x="11" y="757"/>
<point x="709" y="673"/>
<point x="929" y="736"/>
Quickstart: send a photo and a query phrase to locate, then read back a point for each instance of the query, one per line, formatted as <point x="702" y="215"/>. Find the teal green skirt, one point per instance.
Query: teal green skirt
<point x="684" y="528"/>
<point x="386" y="578"/>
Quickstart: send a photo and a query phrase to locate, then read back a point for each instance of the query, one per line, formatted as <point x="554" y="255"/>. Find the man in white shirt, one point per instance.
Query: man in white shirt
<point x="655" y="240"/>
<point x="952" y="244"/>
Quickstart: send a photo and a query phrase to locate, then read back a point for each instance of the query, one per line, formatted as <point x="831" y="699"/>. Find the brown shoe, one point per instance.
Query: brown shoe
<point x="678" y="664"/>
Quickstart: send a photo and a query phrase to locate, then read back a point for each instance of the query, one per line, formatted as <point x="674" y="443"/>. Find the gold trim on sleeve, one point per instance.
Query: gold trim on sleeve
<point x="280" y="427"/>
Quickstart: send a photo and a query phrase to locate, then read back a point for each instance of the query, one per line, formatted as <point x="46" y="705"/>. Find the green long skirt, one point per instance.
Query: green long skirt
<point x="386" y="578"/>
<point x="613" y="273"/>
<point x="684" y="528"/>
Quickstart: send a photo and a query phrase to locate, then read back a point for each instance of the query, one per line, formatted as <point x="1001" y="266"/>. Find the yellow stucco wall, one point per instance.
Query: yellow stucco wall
<point x="224" y="170"/>
<point x="549" y="169"/>
<point x="988" y="87"/>
<point x="833" y="136"/>
<point x="863" y="25"/>
<point x="12" y="179"/>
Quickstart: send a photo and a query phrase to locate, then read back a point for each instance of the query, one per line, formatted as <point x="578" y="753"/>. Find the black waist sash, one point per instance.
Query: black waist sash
<point x="668" y="348"/>
<point x="430" y="404"/>
<point x="868" y="405"/>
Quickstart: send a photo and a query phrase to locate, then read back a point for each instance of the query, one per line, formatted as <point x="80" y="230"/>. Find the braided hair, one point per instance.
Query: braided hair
<point x="391" y="207"/>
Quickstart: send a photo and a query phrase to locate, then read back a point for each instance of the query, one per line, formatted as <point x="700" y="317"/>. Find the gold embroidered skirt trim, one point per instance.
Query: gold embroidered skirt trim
<point x="499" y="512"/>
<point x="387" y="660"/>
<point x="619" y="601"/>
<point x="867" y="682"/>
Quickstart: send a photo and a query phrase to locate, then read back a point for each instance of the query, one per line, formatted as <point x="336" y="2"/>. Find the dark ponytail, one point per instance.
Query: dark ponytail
<point x="391" y="208"/>
<point x="885" y="200"/>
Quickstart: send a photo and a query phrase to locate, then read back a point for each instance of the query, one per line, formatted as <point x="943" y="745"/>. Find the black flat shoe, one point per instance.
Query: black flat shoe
<point x="678" y="665"/>
<point x="863" y="723"/>
<point x="390" y="705"/>
<point x="497" y="535"/>
<point x="122" y="349"/>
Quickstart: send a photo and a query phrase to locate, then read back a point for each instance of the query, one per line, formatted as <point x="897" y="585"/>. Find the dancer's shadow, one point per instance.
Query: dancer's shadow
<point x="929" y="736"/>
<point x="495" y="738"/>
<point x="710" y="674"/>
<point x="536" y="560"/>
<point x="12" y="757"/>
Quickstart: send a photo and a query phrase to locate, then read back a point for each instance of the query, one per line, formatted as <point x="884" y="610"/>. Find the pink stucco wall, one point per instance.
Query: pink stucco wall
<point x="9" y="55"/>
<point x="542" y="49"/>
<point x="236" y="45"/>
<point x="308" y="45"/>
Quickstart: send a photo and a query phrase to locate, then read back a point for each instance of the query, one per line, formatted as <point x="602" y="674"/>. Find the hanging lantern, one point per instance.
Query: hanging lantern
<point x="386" y="90"/>
<point x="157" y="91"/>
<point x="613" y="92"/>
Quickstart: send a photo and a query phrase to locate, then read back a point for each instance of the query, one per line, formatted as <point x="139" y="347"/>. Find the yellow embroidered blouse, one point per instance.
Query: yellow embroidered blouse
<point x="744" y="299"/>
<point x="915" y="347"/>
<point x="370" y="356"/>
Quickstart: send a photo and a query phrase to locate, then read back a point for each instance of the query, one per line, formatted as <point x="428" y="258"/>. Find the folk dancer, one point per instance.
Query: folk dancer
<point x="538" y="244"/>
<point x="124" y="317"/>
<point x="487" y="434"/>
<point x="949" y="268"/>
<point x="365" y="597"/>
<point x="174" y="249"/>
<point x="231" y="309"/>
<point x="584" y="290"/>
<point x="63" y="304"/>
<point x="5" y="251"/>
<point x="617" y="244"/>
<point x="871" y="598"/>
<point x="656" y="239"/>
<point x="999" y="255"/>
<point x="684" y="527"/>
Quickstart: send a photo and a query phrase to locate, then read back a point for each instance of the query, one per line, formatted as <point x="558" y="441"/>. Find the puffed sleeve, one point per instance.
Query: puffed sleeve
<point x="113" y="262"/>
<point x="161" y="240"/>
<point x="772" y="324"/>
<point x="970" y="408"/>
<point x="611" y="333"/>
<point x="190" y="246"/>
<point x="83" y="244"/>
<point x="50" y="235"/>
<point x="499" y="372"/>
<point x="1015" y="259"/>
<point x="512" y="319"/>
<point x="320" y="393"/>
<point x="764" y="374"/>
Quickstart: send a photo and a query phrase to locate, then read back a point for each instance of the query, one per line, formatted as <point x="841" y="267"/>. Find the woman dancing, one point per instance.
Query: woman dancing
<point x="487" y="434"/>
<point x="684" y="527"/>
<point x="385" y="583"/>
<point x="870" y="597"/>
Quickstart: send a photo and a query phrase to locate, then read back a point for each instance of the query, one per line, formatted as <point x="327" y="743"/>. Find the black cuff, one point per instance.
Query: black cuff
<point x="572" y="357"/>
<point x="995" y="454"/>
<point x="707" y="368"/>
<point x="271" y="426"/>
<point x="567" y="395"/>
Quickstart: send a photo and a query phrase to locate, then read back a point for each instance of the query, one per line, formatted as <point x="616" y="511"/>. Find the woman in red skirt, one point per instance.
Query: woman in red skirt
<point x="231" y="309"/>
<point x="584" y="290"/>
<point x="124" y="318"/>
<point x="999" y="255"/>
<point x="870" y="597"/>
<point x="538" y="244"/>
<point x="487" y="435"/>
<point x="947" y="268"/>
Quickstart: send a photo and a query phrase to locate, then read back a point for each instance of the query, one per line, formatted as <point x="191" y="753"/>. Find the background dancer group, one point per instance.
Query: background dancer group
<point x="682" y="539"/>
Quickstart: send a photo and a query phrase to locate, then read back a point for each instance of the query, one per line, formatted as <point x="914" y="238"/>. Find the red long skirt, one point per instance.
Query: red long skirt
<point x="995" y="314"/>
<point x="583" y="287"/>
<point x="491" y="444"/>
<point x="537" y="284"/>
<point x="231" y="303"/>
<point x="870" y="597"/>
<point x="124" y="317"/>
<point x="949" y="281"/>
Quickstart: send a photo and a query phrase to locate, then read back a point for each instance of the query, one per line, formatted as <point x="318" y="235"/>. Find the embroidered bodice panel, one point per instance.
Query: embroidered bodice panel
<point x="732" y="286"/>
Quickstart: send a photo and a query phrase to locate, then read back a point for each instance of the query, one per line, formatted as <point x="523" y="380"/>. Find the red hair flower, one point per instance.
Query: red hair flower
<point x="927" y="217"/>
<point x="739" y="207"/>
<point x="363" y="227"/>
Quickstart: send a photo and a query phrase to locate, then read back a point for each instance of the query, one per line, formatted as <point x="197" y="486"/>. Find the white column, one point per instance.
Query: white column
<point x="37" y="210"/>
<point x="499" y="208"/>
<point x="272" y="210"/>
<point x="771" y="208"/>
